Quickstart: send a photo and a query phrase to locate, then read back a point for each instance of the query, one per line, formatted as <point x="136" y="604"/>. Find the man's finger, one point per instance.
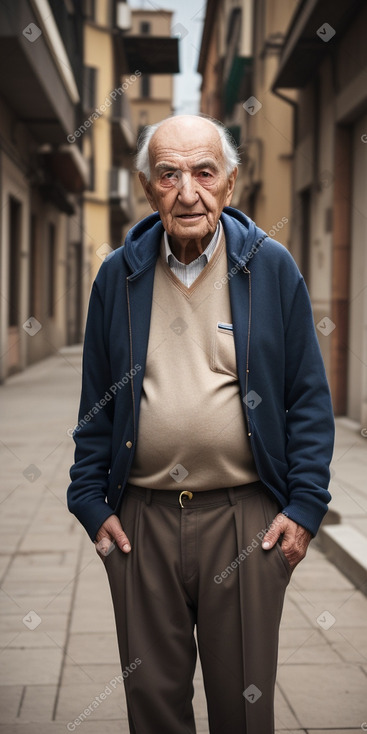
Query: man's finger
<point x="275" y="530"/>
<point x="112" y="531"/>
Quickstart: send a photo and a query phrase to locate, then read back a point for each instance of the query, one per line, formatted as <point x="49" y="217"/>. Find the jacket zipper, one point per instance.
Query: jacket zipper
<point x="131" y="358"/>
<point x="248" y="272"/>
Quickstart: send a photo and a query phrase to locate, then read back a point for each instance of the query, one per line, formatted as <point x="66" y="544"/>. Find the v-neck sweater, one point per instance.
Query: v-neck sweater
<point x="191" y="425"/>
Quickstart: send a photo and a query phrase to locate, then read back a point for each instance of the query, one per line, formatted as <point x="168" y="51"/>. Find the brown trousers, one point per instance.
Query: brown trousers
<point x="198" y="565"/>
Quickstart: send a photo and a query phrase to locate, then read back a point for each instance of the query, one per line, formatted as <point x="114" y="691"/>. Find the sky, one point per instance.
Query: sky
<point x="188" y="20"/>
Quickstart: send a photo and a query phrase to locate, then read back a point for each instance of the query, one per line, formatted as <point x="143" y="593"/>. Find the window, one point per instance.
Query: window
<point x="89" y="87"/>
<point x="88" y="152"/>
<point x="89" y="8"/>
<point x="32" y="267"/>
<point x="15" y="213"/>
<point x="51" y="270"/>
<point x="145" y="86"/>
<point x="145" y="27"/>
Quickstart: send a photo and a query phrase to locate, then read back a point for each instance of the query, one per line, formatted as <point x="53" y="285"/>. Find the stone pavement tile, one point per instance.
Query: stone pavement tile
<point x="10" y="521"/>
<point x="92" y="618"/>
<point x="49" y="623"/>
<point x="45" y="560"/>
<point x="347" y="499"/>
<point x="4" y="562"/>
<point x="284" y="717"/>
<point x="32" y="639"/>
<point x="97" y="673"/>
<point x="325" y="695"/>
<point x="311" y="576"/>
<point x="359" y="523"/>
<point x="290" y="637"/>
<point x="105" y="702"/>
<point x="44" y="587"/>
<point x="202" y="726"/>
<point x="309" y="654"/>
<point x="199" y="700"/>
<point x="348" y="607"/>
<point x="38" y="703"/>
<point x="8" y="542"/>
<point x="55" y="526"/>
<point x="49" y="541"/>
<point x="305" y="646"/>
<point x="94" y="648"/>
<point x="333" y="731"/>
<point x="198" y="669"/>
<point x="26" y="667"/>
<point x="89" y="727"/>
<point x="20" y="605"/>
<point x="349" y="642"/>
<point x="292" y="617"/>
<point x="31" y="571"/>
<point x="10" y="698"/>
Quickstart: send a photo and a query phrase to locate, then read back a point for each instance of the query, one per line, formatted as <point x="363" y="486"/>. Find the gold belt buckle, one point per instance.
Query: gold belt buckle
<point x="185" y="493"/>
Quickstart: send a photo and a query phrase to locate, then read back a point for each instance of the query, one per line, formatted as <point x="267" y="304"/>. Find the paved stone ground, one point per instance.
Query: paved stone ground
<point x="58" y="648"/>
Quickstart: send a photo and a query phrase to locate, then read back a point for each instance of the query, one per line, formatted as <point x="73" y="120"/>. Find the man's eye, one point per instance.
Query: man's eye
<point x="170" y="174"/>
<point x="205" y="174"/>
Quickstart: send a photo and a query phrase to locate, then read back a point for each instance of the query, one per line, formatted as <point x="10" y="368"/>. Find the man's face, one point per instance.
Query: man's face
<point x="189" y="185"/>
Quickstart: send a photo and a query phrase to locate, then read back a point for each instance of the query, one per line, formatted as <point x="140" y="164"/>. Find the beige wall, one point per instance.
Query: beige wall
<point x="210" y="97"/>
<point x="98" y="53"/>
<point x="147" y="111"/>
<point x="160" y="21"/>
<point x="267" y="135"/>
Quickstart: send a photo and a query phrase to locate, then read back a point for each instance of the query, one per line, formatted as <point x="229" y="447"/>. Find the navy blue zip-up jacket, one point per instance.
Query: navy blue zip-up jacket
<point x="278" y="358"/>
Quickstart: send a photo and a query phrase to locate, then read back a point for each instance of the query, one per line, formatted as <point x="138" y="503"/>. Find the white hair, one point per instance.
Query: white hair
<point x="230" y="152"/>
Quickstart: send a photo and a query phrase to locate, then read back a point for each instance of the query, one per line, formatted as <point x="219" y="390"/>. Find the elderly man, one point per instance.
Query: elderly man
<point x="204" y="438"/>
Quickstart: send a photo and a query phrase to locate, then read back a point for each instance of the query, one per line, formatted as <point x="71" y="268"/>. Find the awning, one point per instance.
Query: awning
<point x="30" y="80"/>
<point x="314" y="30"/>
<point x="147" y="54"/>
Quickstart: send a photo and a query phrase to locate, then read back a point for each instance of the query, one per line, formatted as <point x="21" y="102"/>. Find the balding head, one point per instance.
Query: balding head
<point x="180" y="124"/>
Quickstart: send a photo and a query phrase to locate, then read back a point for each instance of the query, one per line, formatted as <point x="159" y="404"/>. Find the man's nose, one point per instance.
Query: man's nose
<point x="187" y="189"/>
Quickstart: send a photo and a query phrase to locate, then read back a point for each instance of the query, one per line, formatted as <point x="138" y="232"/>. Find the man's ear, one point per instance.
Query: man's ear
<point x="148" y="190"/>
<point x="231" y="183"/>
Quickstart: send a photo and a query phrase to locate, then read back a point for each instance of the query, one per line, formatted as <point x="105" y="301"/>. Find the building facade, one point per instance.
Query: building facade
<point x="290" y="81"/>
<point x="67" y="144"/>
<point x="326" y="64"/>
<point x="107" y="133"/>
<point x="41" y="180"/>
<point x="238" y="58"/>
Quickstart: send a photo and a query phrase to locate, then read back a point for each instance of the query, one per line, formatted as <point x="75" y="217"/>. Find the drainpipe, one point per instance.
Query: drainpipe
<point x="295" y="105"/>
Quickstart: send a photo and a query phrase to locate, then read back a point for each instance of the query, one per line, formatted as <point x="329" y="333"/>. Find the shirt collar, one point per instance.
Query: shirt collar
<point x="206" y="255"/>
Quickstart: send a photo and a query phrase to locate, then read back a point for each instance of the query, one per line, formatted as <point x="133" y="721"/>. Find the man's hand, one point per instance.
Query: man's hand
<point x="111" y="531"/>
<point x="295" y="539"/>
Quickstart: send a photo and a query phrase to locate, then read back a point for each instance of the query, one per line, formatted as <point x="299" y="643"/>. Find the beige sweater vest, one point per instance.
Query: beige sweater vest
<point x="191" y="426"/>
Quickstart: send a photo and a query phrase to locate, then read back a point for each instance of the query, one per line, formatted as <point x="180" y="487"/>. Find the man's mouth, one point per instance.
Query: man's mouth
<point x="195" y="215"/>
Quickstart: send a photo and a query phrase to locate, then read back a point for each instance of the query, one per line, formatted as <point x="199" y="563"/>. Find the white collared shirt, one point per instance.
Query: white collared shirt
<point x="188" y="273"/>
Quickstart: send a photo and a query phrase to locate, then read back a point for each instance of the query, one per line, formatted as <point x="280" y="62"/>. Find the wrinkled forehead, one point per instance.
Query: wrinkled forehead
<point x="185" y="143"/>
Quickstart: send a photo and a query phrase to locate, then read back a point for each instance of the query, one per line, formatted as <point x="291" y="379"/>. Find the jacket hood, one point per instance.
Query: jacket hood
<point x="143" y="241"/>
